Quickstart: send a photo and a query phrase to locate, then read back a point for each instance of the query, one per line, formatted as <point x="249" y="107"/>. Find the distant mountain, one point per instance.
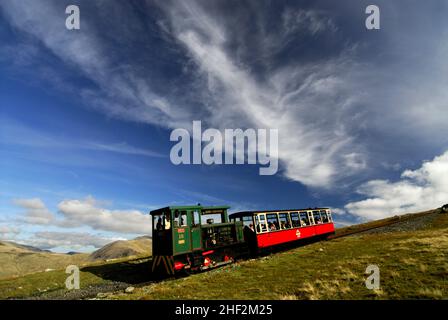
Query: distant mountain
<point x="141" y="246"/>
<point x="71" y="253"/>
<point x="10" y="244"/>
<point x="18" y="259"/>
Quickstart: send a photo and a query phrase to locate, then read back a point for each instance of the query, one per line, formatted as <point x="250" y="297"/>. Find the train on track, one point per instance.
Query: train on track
<point x="194" y="238"/>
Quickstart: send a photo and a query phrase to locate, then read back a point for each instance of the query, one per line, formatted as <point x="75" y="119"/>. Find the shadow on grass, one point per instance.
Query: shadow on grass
<point x="138" y="271"/>
<point x="130" y="271"/>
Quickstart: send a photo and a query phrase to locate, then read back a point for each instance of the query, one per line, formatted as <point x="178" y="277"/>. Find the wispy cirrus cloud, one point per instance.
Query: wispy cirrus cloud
<point x="14" y="133"/>
<point x="341" y="110"/>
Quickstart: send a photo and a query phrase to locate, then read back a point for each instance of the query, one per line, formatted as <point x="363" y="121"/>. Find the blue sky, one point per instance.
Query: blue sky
<point x="86" y="115"/>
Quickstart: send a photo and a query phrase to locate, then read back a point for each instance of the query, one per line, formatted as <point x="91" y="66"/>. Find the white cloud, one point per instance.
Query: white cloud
<point x="338" y="211"/>
<point x="8" y="232"/>
<point x="309" y="21"/>
<point x="72" y="240"/>
<point x="297" y="99"/>
<point x="122" y="93"/>
<point x="326" y="110"/>
<point x="32" y="204"/>
<point x="123" y="148"/>
<point x="35" y="211"/>
<point x="421" y="189"/>
<point x="85" y="213"/>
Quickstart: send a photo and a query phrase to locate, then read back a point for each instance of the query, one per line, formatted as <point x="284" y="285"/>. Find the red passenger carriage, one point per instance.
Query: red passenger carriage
<point x="265" y="229"/>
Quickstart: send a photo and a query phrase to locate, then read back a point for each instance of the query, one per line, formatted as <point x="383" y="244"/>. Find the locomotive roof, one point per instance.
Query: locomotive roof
<point x="202" y="208"/>
<point x="248" y="213"/>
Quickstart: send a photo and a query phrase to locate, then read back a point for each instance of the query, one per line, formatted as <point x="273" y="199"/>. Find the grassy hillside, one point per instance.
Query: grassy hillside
<point x="412" y="258"/>
<point x="17" y="260"/>
<point x="120" y="249"/>
<point x="413" y="264"/>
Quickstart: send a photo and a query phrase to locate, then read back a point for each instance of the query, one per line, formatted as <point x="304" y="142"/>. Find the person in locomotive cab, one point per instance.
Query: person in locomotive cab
<point x="159" y="224"/>
<point x="167" y="221"/>
<point x="176" y="218"/>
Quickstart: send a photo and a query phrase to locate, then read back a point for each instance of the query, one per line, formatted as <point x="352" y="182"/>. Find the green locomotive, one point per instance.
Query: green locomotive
<point x="187" y="238"/>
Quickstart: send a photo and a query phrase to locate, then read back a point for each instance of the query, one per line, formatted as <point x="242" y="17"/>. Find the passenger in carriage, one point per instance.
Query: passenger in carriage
<point x="302" y="223"/>
<point x="272" y="227"/>
<point x="159" y="224"/>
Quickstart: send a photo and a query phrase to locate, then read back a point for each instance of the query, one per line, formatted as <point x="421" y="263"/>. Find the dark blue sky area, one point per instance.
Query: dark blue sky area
<point x="86" y="115"/>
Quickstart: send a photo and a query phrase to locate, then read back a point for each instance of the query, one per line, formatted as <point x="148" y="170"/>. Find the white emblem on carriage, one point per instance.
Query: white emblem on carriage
<point x="298" y="233"/>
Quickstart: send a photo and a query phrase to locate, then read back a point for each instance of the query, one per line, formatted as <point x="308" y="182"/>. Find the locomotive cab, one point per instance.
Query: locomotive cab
<point x="192" y="236"/>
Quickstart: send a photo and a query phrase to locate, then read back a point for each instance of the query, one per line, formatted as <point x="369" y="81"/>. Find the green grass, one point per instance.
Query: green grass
<point x="413" y="265"/>
<point x="14" y="264"/>
<point x="45" y="282"/>
<point x="122" y="270"/>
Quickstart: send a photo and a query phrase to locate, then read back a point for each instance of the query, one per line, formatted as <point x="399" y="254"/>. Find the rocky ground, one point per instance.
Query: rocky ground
<point x="416" y="223"/>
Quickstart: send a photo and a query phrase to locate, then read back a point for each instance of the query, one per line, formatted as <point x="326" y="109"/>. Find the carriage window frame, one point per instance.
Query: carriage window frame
<point x="247" y="221"/>
<point x="277" y="225"/>
<point x="288" y="220"/>
<point x="311" y="218"/>
<point x="261" y="222"/>
<point x="183" y="218"/>
<point x="314" y="212"/>
<point x="295" y="213"/>
<point x="326" y="216"/>
<point x="308" y="221"/>
<point x="196" y="216"/>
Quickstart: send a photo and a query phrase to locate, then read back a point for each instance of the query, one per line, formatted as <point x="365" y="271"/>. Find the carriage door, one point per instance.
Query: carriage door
<point x="196" y="238"/>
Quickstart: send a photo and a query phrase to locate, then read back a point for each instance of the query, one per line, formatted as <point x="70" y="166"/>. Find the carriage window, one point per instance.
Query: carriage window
<point x="183" y="218"/>
<point x="260" y="221"/>
<point x="273" y="222"/>
<point x="248" y="221"/>
<point x="304" y="219"/>
<point x="196" y="218"/>
<point x="324" y="216"/>
<point x="163" y="220"/>
<point x="284" y="221"/>
<point x="317" y="218"/>
<point x="295" y="219"/>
